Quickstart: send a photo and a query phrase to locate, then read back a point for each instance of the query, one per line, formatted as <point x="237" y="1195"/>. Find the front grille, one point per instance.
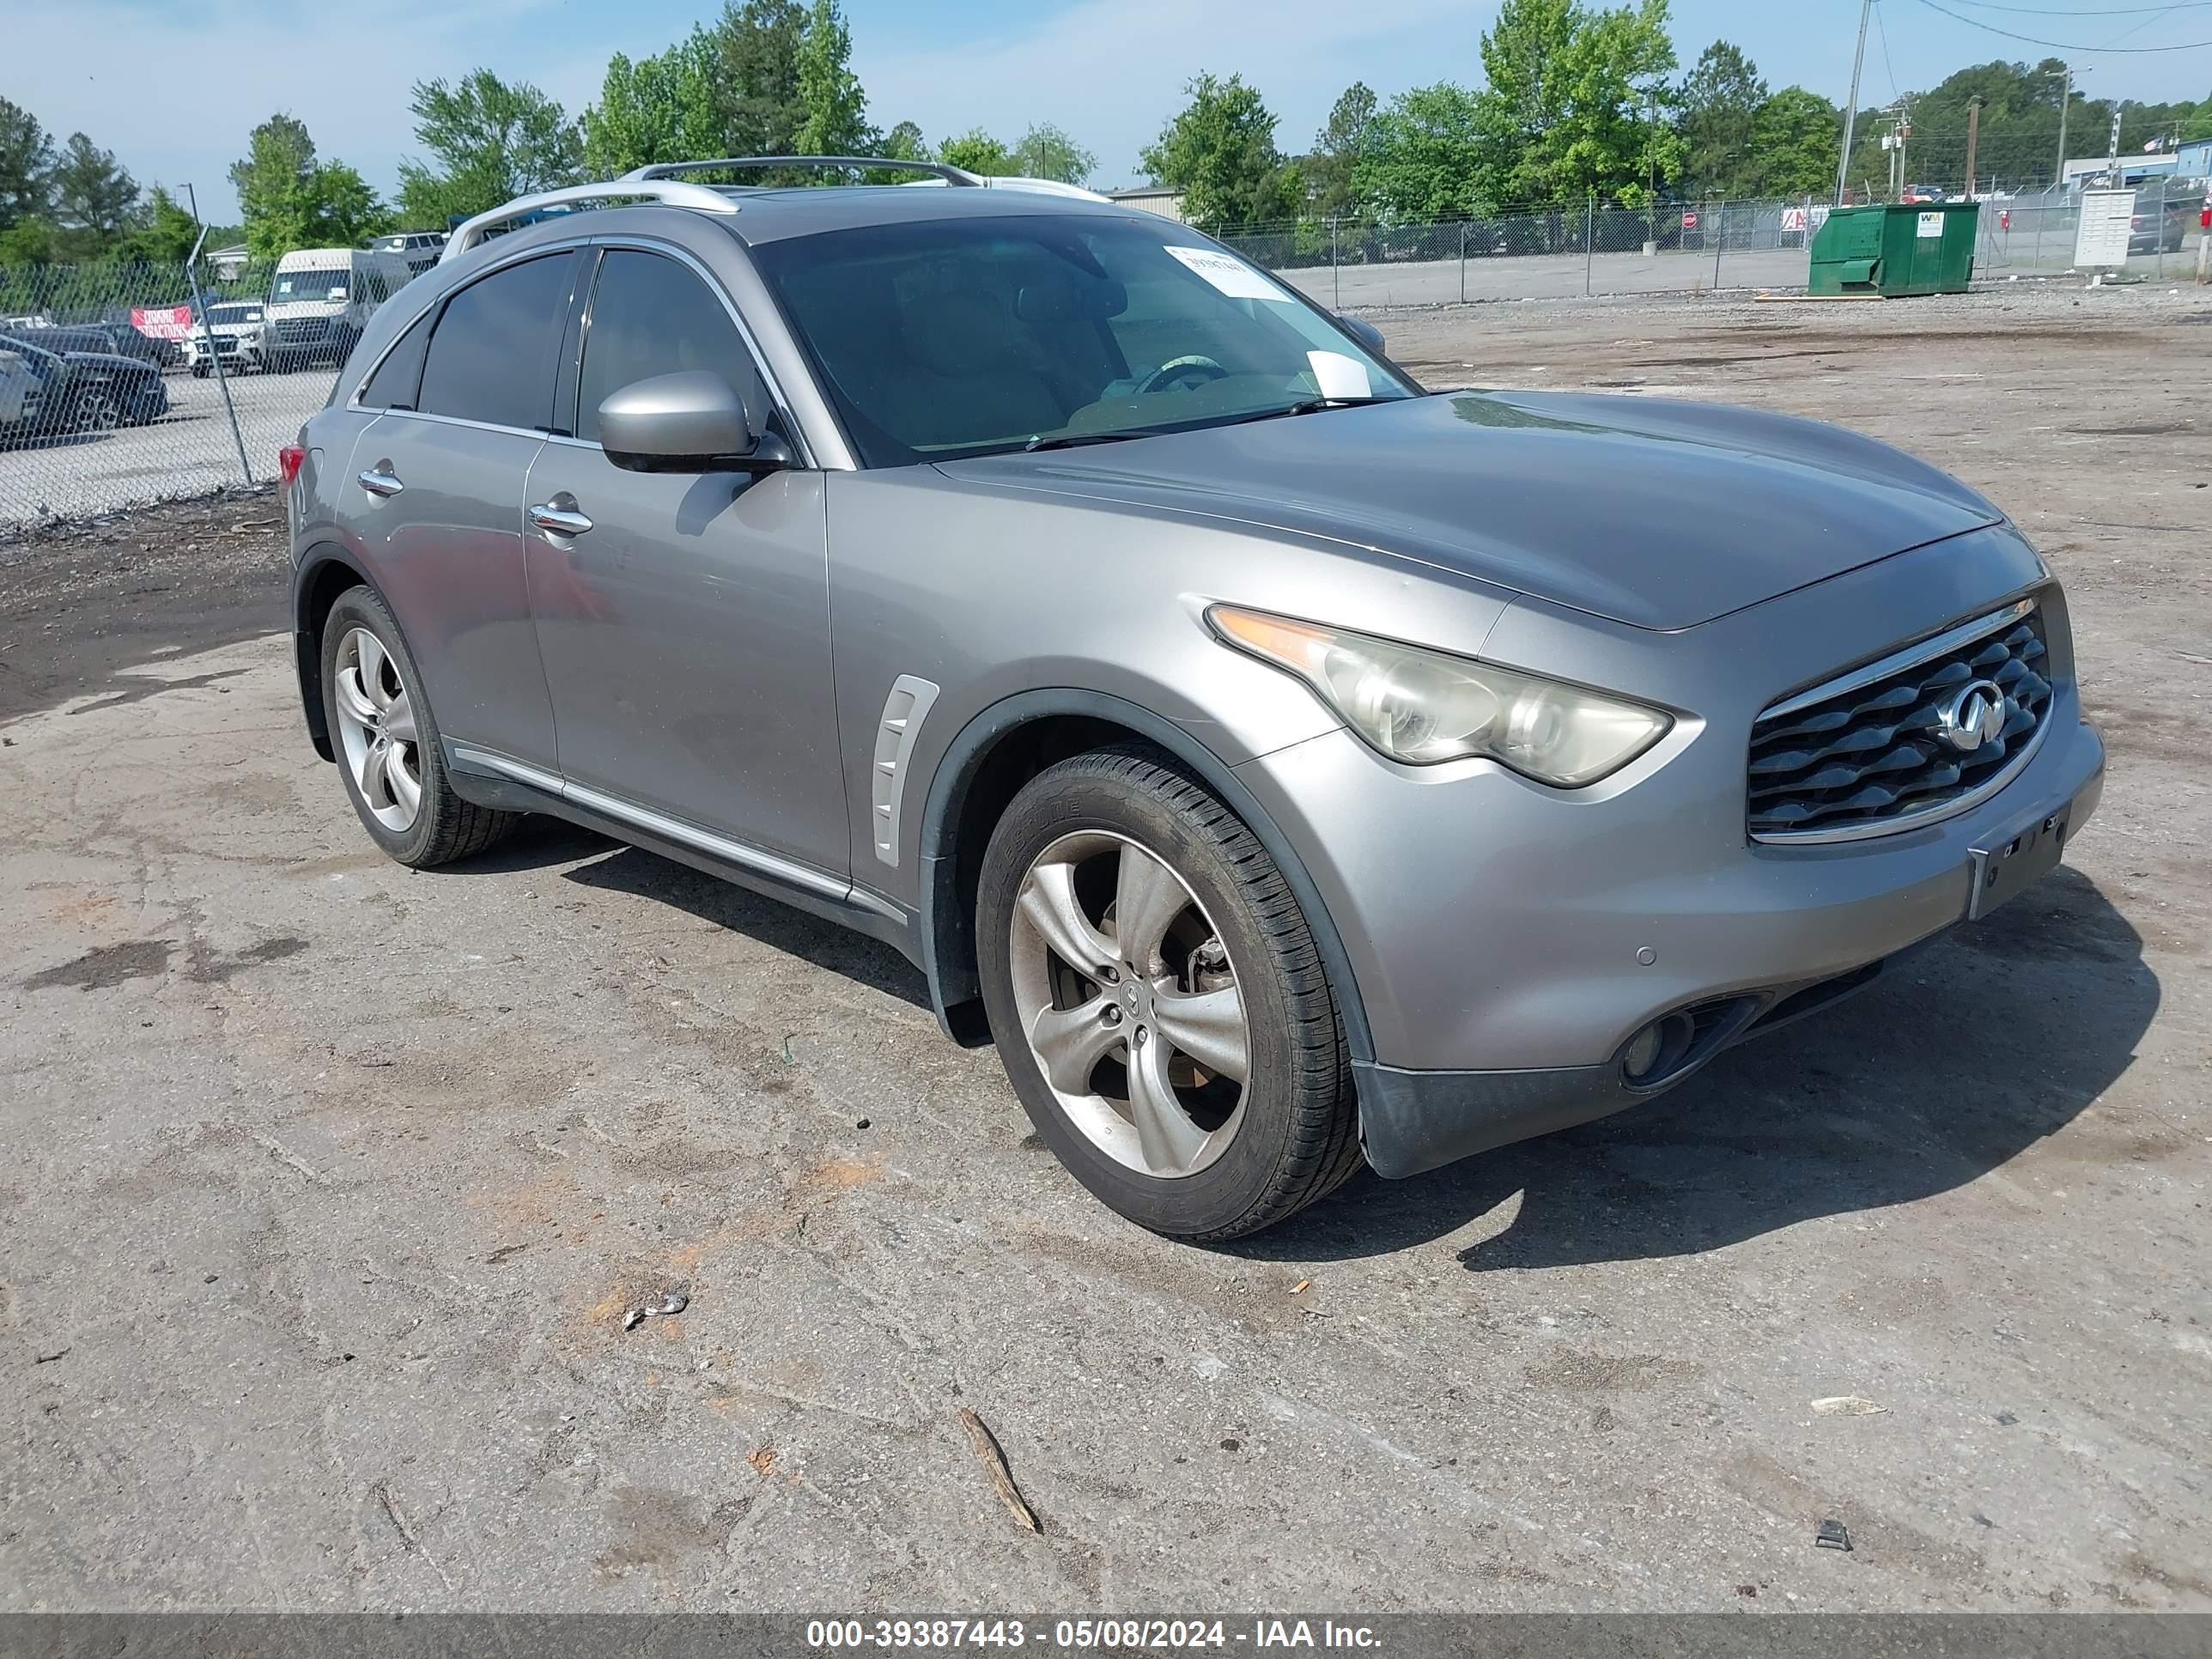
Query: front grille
<point x="226" y="343"/>
<point x="1869" y="752"/>
<point x="303" y="331"/>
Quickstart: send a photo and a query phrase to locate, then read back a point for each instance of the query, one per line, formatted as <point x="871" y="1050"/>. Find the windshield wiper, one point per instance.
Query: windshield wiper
<point x="1311" y="406"/>
<point x="1078" y="440"/>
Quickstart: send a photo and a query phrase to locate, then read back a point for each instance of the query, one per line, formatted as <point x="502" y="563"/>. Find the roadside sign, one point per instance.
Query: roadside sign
<point x="2100" y="237"/>
<point x="1793" y="218"/>
<point x="162" y="322"/>
<point x="1689" y="221"/>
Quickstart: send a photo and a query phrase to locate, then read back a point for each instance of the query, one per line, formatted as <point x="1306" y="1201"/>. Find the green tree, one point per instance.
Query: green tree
<point x="1219" y="151"/>
<point x="757" y="51"/>
<point x="27" y="160"/>
<point x="1422" y="157"/>
<point x="978" y="152"/>
<point x="166" y="236"/>
<point x="1720" y="103"/>
<point x="95" y="199"/>
<point x="338" y="209"/>
<point x="905" y="142"/>
<point x="29" y="241"/>
<point x="491" y="142"/>
<point x="836" y="110"/>
<point x="1575" y="104"/>
<point x="1337" y="149"/>
<point x="1047" y="152"/>
<point x="280" y="156"/>
<point x="1794" y="137"/>
<point x="662" y="108"/>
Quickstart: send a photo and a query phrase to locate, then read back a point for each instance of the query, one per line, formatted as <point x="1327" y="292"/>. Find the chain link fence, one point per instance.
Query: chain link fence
<point x="1593" y="251"/>
<point x="122" y="385"/>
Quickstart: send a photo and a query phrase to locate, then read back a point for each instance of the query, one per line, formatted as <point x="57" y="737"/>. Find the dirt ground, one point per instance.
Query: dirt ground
<point x="325" y="1185"/>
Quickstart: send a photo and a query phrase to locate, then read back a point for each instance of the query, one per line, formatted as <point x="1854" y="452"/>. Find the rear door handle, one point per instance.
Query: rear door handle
<point x="557" y="520"/>
<point x="378" y="482"/>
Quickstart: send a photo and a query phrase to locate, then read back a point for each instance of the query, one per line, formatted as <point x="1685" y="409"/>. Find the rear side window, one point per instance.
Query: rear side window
<point x="399" y="376"/>
<point x="651" y="316"/>
<point x="491" y="355"/>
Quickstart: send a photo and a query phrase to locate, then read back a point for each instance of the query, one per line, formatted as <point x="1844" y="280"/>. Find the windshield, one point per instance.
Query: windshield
<point x="294" y="286"/>
<point x="234" y="314"/>
<point x="945" y="338"/>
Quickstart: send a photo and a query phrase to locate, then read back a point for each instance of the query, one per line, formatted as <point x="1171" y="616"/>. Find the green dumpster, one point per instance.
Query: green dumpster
<point x="1894" y="249"/>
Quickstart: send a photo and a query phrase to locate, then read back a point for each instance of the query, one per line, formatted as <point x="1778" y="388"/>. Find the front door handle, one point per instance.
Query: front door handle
<point x="379" y="480"/>
<point x="556" y="520"/>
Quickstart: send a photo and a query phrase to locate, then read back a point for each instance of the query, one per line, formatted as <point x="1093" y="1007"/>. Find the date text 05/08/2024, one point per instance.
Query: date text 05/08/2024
<point x="1120" y="1635"/>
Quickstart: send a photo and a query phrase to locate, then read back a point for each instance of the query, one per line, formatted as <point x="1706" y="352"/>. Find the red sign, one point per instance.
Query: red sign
<point x="162" y="322"/>
<point x="1689" y="221"/>
<point x="2005" y="218"/>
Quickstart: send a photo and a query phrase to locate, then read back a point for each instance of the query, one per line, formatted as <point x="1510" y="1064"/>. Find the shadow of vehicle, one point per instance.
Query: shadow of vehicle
<point x="1948" y="1067"/>
<point x="546" y="841"/>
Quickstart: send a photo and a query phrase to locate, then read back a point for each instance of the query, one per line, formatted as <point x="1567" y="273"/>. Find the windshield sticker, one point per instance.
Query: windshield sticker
<point x="1336" y="375"/>
<point x="1226" y="272"/>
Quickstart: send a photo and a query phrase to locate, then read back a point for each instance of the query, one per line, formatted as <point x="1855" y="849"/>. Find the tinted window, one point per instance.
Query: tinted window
<point x="651" y="316"/>
<point x="943" y="338"/>
<point x="399" y="376"/>
<point x="491" y="354"/>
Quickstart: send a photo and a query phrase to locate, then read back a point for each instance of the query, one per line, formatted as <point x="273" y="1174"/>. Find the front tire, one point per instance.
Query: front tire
<point x="386" y="742"/>
<point x="1158" y="1002"/>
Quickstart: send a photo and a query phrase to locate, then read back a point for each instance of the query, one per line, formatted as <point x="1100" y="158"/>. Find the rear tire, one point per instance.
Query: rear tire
<point x="1143" y="1046"/>
<point x="386" y="740"/>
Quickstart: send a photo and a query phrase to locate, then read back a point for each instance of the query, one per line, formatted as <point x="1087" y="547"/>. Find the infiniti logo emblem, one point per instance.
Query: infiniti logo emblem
<point x="1972" y="715"/>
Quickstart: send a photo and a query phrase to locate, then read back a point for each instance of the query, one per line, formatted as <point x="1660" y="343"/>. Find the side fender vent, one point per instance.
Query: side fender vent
<point x="904" y="710"/>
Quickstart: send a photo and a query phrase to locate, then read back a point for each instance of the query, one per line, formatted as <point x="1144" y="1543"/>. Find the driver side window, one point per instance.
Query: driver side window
<point x="650" y="316"/>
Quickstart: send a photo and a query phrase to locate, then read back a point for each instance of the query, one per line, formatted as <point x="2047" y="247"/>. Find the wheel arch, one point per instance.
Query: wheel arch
<point x="998" y="752"/>
<point x="327" y="571"/>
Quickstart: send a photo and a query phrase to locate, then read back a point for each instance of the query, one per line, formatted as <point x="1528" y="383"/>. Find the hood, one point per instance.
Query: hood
<point x="1656" y="513"/>
<point x="108" y="363"/>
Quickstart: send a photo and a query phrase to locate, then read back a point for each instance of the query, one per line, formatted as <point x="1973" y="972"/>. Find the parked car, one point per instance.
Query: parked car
<point x="2161" y="222"/>
<point x="22" y="397"/>
<point x="1278" y="762"/>
<point x="108" y="339"/>
<point x="320" y="298"/>
<point x="419" y="248"/>
<point x="90" y="391"/>
<point x="126" y="341"/>
<point x="237" y="330"/>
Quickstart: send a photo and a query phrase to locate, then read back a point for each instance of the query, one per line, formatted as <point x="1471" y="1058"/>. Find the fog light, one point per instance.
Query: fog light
<point x="1643" y="1052"/>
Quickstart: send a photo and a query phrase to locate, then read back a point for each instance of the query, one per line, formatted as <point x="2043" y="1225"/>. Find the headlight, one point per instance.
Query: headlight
<point x="1424" y="707"/>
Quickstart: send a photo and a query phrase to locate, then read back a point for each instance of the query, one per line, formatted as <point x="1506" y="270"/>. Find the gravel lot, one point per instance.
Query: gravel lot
<point x="326" y="1184"/>
<point x="189" y="448"/>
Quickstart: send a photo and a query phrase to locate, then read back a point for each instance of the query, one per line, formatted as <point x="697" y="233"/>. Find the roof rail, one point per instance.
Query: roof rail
<point x="944" y="170"/>
<point x="698" y="197"/>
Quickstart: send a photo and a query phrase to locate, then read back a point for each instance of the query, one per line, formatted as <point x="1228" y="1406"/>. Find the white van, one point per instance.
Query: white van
<point x="321" y="298"/>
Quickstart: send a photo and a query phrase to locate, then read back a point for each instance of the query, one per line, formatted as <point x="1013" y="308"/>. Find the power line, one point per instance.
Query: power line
<point x="1882" y="28"/>
<point x="2061" y="46"/>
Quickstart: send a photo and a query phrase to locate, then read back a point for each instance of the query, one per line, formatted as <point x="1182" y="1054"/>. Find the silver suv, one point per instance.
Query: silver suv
<point x="1281" y="763"/>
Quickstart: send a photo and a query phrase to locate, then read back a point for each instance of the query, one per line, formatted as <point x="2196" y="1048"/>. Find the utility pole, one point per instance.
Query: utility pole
<point x="1973" y="137"/>
<point x="1903" y="134"/>
<point x="1651" y="159"/>
<point x="2065" y="103"/>
<point x="1851" y="107"/>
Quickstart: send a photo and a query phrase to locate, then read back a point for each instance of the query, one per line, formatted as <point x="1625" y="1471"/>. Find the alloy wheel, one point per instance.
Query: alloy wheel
<point x="1130" y="1004"/>
<point x="377" y="730"/>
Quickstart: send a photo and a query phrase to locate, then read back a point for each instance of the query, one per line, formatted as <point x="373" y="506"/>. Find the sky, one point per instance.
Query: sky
<point x="173" y="86"/>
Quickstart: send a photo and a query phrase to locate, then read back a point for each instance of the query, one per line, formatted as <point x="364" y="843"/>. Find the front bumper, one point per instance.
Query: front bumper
<point x="1507" y="941"/>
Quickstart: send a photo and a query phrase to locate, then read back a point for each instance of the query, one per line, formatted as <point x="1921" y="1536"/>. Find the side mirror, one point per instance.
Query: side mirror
<point x="1362" y="330"/>
<point x="689" y="422"/>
